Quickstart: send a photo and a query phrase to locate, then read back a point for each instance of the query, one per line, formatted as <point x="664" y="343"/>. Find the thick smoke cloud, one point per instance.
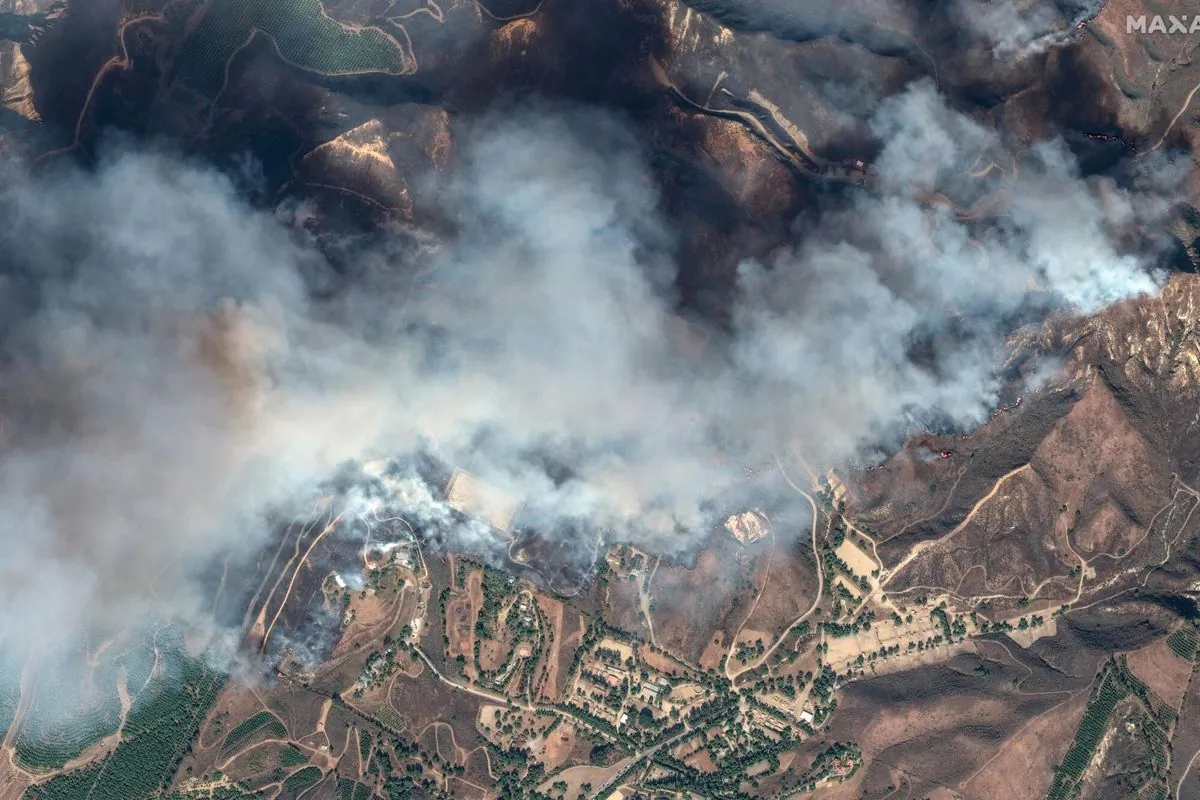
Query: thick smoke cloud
<point x="1002" y="31"/>
<point x="879" y="22"/>
<point x="158" y="387"/>
<point x="169" y="378"/>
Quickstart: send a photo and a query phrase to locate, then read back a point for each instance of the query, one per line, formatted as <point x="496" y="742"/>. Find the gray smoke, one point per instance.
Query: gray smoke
<point x="878" y="22"/>
<point x="1014" y="29"/>
<point x="168" y="379"/>
<point x="1002" y="31"/>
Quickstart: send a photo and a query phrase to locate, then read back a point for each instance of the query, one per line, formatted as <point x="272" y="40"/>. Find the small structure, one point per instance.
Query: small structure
<point x="747" y="527"/>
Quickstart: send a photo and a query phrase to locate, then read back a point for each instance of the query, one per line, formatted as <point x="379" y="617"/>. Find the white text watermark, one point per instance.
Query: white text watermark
<point x="1162" y="24"/>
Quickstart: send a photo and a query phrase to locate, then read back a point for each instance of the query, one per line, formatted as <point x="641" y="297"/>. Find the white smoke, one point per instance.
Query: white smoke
<point x="169" y="380"/>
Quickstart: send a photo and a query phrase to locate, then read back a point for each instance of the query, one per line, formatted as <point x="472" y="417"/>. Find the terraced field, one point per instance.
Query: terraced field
<point x="1183" y="643"/>
<point x="264" y="722"/>
<point x="1087" y="736"/>
<point x="160" y="727"/>
<point x="10" y="691"/>
<point x="303" y="34"/>
<point x="291" y="756"/>
<point x="66" y="719"/>
<point x="302" y="779"/>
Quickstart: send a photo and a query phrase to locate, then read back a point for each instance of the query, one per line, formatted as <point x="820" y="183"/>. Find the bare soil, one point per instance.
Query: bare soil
<point x="1164" y="672"/>
<point x="693" y="604"/>
<point x="1024" y="765"/>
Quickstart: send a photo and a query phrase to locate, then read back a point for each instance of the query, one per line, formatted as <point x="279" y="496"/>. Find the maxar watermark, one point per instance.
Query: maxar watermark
<point x="1160" y="24"/>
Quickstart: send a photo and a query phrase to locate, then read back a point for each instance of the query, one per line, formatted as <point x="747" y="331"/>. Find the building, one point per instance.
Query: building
<point x="747" y="527"/>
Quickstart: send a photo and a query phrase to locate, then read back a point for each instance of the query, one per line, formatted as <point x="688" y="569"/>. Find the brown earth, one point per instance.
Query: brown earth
<point x="1023" y="766"/>
<point x="547" y="681"/>
<point x="787" y="587"/>
<point x="1020" y="542"/>
<point x="622" y="607"/>
<point x="1165" y="673"/>
<point x="493" y="653"/>
<point x="659" y="662"/>
<point x="557" y="747"/>
<point x="693" y="604"/>
<point x="950" y="723"/>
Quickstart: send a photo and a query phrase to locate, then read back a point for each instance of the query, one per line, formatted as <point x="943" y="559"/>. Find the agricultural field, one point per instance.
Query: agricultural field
<point x="1087" y="736"/>
<point x="1162" y="671"/>
<point x="10" y="690"/>
<point x="1183" y="643"/>
<point x="263" y="723"/>
<point x="1122" y="744"/>
<point x="159" y="729"/>
<point x="353" y="790"/>
<point x="290" y="756"/>
<point x="302" y="779"/>
<point x="303" y="34"/>
<point x="70" y="712"/>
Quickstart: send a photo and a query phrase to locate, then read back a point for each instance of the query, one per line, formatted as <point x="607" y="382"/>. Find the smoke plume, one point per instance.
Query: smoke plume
<point x="170" y="378"/>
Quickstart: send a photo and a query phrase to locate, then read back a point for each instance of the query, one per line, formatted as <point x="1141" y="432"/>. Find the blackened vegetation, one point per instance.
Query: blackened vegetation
<point x="503" y="10"/>
<point x="983" y="463"/>
<point x="25" y="28"/>
<point x="559" y="560"/>
<point x="66" y="58"/>
<point x="1099" y="150"/>
<point x="121" y="96"/>
<point x="272" y="587"/>
<point x="596" y="53"/>
<point x="929" y="754"/>
<point x="1085" y="637"/>
<point x="266" y="109"/>
<point x="302" y="623"/>
<point x="1170" y="584"/>
<point x="1184" y="605"/>
<point x="1181" y="256"/>
<point x="1034" y="673"/>
<point x="599" y="54"/>
<point x="1080" y="97"/>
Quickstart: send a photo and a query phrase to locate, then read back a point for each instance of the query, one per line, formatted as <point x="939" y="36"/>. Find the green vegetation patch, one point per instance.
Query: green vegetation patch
<point x="304" y="35"/>
<point x="1183" y="643"/>
<point x="222" y="793"/>
<point x="71" y="786"/>
<point x="391" y="719"/>
<point x="263" y="722"/>
<point x="353" y="790"/>
<point x="497" y="588"/>
<point x="71" y="711"/>
<point x="302" y="779"/>
<point x="161" y="725"/>
<point x="292" y="756"/>
<point x="1087" y="736"/>
<point x="10" y="689"/>
<point x="938" y="615"/>
<point x="400" y="788"/>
